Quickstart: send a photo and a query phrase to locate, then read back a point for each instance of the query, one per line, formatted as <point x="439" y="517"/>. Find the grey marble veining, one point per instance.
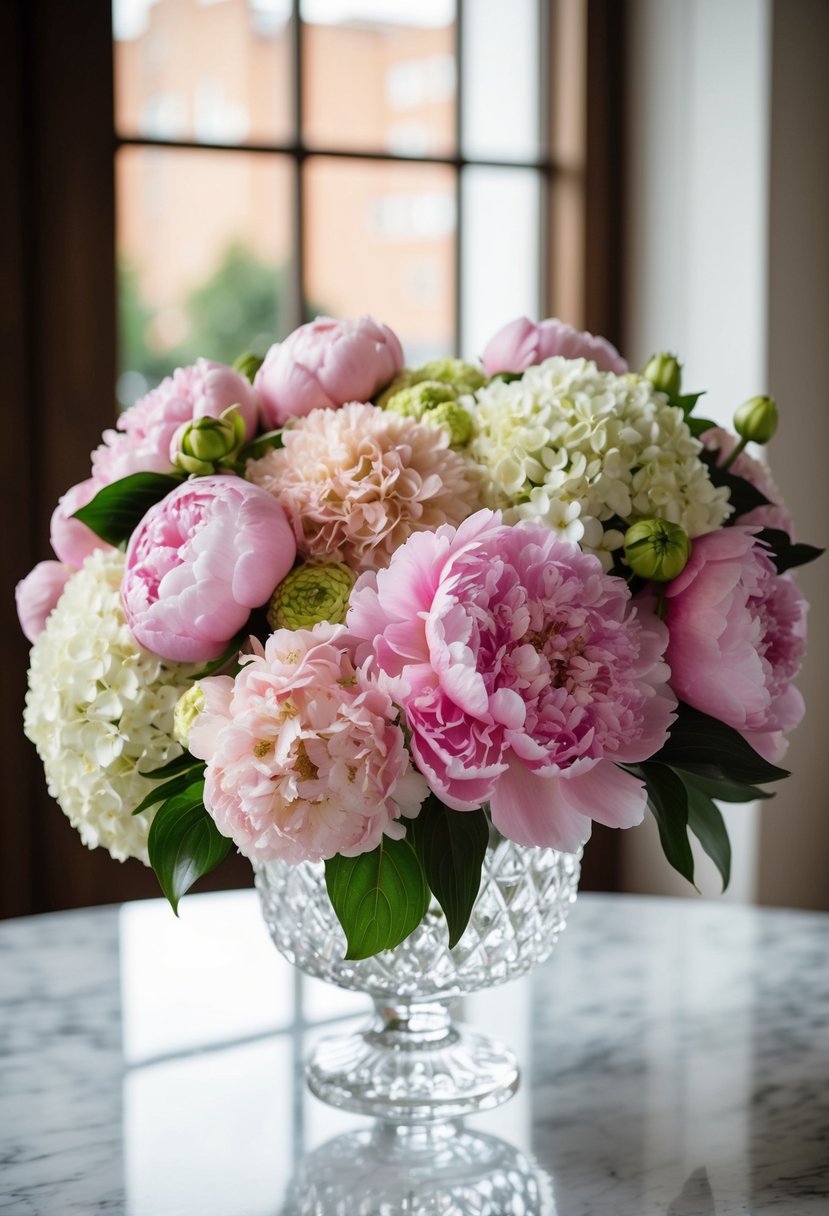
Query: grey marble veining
<point x="675" y="1056"/>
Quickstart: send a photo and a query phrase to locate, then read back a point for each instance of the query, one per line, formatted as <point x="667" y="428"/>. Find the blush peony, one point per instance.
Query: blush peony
<point x="37" y="594"/>
<point x="140" y="442"/>
<point x="523" y="343"/>
<point x="356" y="482"/>
<point x="71" y="540"/>
<point x="325" y="364"/>
<point x="737" y="638"/>
<point x="304" y="755"/>
<point x="199" y="561"/>
<point x="525" y="672"/>
<point x="776" y="514"/>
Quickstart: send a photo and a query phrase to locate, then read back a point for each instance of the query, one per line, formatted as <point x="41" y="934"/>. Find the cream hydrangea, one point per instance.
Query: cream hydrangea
<point x="99" y="707"/>
<point x="575" y="448"/>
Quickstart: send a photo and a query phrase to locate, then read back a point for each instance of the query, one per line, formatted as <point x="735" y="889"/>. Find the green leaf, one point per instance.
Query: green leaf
<point x="687" y="401"/>
<point x="223" y="659"/>
<point x="379" y="897"/>
<point x="698" y="426"/>
<point x="668" y="800"/>
<point x="180" y="765"/>
<point x="259" y="447"/>
<point x="169" y="789"/>
<point x="784" y="553"/>
<point x="117" y="509"/>
<point x="706" y="822"/>
<point x="699" y="744"/>
<point x="451" y="846"/>
<point x="725" y="791"/>
<point x="743" y="496"/>
<point x="184" y="843"/>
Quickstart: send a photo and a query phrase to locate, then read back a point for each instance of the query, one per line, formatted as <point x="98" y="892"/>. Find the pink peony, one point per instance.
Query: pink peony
<point x="356" y="482"/>
<point x="199" y="561"/>
<point x="324" y="364"/>
<point x="141" y="441"/>
<point x="524" y="672"/>
<point x="304" y="755"/>
<point x="71" y="540"/>
<point x="37" y="594"/>
<point x="754" y="471"/>
<point x="737" y="638"/>
<point x="522" y="344"/>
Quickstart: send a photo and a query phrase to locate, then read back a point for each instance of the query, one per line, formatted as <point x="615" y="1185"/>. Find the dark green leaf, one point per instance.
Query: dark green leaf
<point x="725" y="791"/>
<point x="706" y="822"/>
<point x="172" y="768"/>
<point x="169" y="789"/>
<point x="117" y="509"/>
<point x="451" y="846"/>
<point x="379" y="897"/>
<point x="259" y="447"/>
<point x="668" y="801"/>
<point x="184" y="844"/>
<point x="508" y="377"/>
<point x="687" y="402"/>
<point x="744" y="497"/>
<point x="784" y="553"/>
<point x="699" y="744"/>
<point x="698" y="426"/>
<point x="223" y="659"/>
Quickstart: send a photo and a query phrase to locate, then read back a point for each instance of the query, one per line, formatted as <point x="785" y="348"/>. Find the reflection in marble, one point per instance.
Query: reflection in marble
<point x="675" y="1058"/>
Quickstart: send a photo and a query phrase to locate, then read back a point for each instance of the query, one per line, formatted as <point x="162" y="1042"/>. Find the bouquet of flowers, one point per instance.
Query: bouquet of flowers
<point x="324" y="607"/>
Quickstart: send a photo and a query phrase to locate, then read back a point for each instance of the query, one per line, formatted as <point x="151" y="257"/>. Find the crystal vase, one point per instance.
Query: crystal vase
<point x="411" y="1063"/>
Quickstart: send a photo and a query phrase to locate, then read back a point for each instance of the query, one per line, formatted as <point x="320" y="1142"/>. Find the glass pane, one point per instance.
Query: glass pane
<point x="506" y="255"/>
<point x="379" y="75"/>
<point x="204" y="247"/>
<point x="380" y="239"/>
<point x="209" y="72"/>
<point x="501" y="80"/>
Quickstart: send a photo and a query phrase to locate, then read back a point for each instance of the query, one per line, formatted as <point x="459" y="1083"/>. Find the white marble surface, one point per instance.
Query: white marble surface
<point x="675" y="1054"/>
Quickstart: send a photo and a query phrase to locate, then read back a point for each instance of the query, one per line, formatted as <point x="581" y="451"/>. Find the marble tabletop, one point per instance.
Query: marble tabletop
<point x="675" y="1063"/>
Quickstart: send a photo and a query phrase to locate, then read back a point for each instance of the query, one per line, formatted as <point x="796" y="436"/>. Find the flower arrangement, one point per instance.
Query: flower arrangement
<point x="323" y="607"/>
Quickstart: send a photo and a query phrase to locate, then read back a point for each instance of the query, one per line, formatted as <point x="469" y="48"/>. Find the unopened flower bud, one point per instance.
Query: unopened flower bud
<point x="756" y="420"/>
<point x="205" y="444"/>
<point x="312" y="593"/>
<point x="414" y="401"/>
<point x="248" y="364"/>
<point x="188" y="707"/>
<point x="665" y="373"/>
<point x="656" y="549"/>
<point x="452" y="416"/>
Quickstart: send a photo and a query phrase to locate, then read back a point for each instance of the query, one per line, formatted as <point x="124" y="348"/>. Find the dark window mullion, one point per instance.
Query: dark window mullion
<point x="298" y="293"/>
<point x="459" y="177"/>
<point x="545" y="192"/>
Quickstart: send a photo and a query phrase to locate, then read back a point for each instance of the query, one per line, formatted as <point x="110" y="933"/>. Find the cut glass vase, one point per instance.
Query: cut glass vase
<point x="411" y="1064"/>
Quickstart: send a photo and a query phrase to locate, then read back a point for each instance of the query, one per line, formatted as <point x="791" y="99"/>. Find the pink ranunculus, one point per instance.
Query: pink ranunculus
<point x="324" y="364"/>
<point x="524" y="671"/>
<point x="140" y="442"/>
<point x="305" y="757"/>
<point x="37" y="594"/>
<point x="199" y="561"/>
<point x="523" y="343"/>
<point x="71" y="540"/>
<point x="737" y="637"/>
<point x="776" y="515"/>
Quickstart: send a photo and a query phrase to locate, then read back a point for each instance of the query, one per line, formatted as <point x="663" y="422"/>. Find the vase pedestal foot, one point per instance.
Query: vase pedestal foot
<point x="413" y="1065"/>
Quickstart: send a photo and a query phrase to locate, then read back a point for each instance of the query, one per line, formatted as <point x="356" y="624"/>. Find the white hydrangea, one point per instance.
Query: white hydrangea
<point x="99" y="707"/>
<point x="576" y="447"/>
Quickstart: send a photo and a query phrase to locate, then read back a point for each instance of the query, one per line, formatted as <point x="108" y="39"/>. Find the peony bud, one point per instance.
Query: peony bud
<point x="188" y="707"/>
<point x="656" y="549"/>
<point x="665" y="373"/>
<point x="756" y="420"/>
<point x="310" y="594"/>
<point x="206" y="445"/>
<point x="248" y="364"/>
<point x="413" y="402"/>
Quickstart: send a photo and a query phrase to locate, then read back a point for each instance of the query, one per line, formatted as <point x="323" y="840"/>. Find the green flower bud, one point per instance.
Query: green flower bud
<point x="656" y="549"/>
<point x="188" y="707"/>
<point x="413" y="402"/>
<point x="248" y="364"/>
<point x="464" y="377"/>
<point x="454" y="418"/>
<point x="665" y="373"/>
<point x="206" y="444"/>
<point x="310" y="594"/>
<point x="756" y="420"/>
<point x="403" y="380"/>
